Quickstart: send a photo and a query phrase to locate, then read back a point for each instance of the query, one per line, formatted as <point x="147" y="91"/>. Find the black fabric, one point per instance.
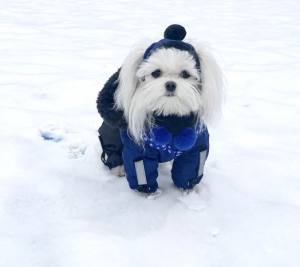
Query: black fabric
<point x="111" y="145"/>
<point x="113" y="120"/>
<point x="175" y="123"/>
<point x="105" y="103"/>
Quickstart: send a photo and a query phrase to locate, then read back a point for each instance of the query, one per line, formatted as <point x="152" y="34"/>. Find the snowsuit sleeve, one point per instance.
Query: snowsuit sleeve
<point x="105" y="103"/>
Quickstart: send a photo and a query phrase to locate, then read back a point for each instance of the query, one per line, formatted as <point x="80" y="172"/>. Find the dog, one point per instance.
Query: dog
<point x="156" y="108"/>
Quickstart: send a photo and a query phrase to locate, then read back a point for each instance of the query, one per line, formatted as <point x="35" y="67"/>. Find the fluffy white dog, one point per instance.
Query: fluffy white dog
<point x="159" y="103"/>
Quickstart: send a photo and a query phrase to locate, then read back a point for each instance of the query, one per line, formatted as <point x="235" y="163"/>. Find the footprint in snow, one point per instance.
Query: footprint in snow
<point x="52" y="133"/>
<point x="76" y="150"/>
<point x="196" y="199"/>
<point x="71" y="141"/>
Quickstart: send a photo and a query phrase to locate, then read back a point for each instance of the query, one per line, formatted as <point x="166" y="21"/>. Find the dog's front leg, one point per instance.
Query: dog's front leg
<point x="187" y="169"/>
<point x="141" y="171"/>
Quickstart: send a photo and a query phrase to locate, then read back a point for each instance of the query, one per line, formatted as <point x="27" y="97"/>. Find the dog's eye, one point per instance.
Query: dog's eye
<point x="185" y="74"/>
<point x="156" y="73"/>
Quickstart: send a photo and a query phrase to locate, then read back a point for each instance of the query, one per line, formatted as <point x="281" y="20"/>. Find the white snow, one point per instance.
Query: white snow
<point x="60" y="207"/>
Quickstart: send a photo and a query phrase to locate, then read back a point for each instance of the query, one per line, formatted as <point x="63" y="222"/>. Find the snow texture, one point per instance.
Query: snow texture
<point x="60" y="207"/>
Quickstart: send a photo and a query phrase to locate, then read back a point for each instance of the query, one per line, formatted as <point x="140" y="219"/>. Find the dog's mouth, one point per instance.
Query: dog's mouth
<point x="169" y="94"/>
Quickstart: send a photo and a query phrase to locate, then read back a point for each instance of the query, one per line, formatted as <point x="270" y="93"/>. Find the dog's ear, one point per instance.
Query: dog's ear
<point x="212" y="83"/>
<point x="128" y="81"/>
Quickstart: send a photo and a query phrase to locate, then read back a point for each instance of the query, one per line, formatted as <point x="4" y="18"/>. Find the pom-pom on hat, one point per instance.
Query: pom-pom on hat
<point x="173" y="38"/>
<point x="175" y="32"/>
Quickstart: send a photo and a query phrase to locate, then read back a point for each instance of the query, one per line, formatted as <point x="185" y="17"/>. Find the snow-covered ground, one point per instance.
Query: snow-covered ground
<point x="60" y="207"/>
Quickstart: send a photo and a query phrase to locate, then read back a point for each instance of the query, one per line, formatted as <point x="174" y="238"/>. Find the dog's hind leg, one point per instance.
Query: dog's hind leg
<point x="118" y="171"/>
<point x="111" y="146"/>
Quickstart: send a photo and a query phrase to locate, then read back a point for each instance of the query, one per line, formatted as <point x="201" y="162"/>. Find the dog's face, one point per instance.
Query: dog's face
<point x="166" y="83"/>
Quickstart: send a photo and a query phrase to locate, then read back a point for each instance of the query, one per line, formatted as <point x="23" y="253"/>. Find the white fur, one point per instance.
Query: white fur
<point x="127" y="79"/>
<point x="140" y="95"/>
<point x="213" y="84"/>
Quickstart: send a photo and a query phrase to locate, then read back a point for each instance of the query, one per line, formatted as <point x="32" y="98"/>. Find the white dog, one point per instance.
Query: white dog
<point x="160" y="101"/>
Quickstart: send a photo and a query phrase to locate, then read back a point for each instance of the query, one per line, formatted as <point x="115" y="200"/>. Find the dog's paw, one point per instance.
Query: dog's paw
<point x="118" y="171"/>
<point x="187" y="185"/>
<point x="145" y="188"/>
<point x="150" y="196"/>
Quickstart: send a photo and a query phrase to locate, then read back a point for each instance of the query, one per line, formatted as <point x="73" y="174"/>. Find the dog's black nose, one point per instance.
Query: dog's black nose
<point x="170" y="86"/>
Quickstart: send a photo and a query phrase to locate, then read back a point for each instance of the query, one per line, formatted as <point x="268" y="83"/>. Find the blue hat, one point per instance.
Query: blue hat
<point x="173" y="36"/>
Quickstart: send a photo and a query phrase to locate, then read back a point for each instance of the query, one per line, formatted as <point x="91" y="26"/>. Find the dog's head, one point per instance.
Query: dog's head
<point x="168" y="78"/>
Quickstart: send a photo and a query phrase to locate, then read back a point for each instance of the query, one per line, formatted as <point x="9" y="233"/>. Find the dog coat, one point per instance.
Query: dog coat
<point x="141" y="162"/>
<point x="173" y="138"/>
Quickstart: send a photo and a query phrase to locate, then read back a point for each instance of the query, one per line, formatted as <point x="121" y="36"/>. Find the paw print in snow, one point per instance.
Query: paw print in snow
<point x="70" y="140"/>
<point x="76" y="150"/>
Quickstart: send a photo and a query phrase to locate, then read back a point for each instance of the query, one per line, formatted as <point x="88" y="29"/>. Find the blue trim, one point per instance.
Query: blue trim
<point x="168" y="43"/>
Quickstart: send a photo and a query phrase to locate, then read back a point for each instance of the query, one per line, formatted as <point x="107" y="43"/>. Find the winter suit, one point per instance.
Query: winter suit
<point x="173" y="139"/>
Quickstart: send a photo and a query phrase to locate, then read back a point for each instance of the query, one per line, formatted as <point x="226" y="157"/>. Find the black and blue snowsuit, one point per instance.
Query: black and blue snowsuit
<point x="173" y="138"/>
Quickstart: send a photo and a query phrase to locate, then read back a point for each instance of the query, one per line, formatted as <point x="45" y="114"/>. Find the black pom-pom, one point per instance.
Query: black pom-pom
<point x="175" y="32"/>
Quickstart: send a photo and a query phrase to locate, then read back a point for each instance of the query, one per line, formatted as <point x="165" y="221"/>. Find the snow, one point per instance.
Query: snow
<point x="60" y="207"/>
